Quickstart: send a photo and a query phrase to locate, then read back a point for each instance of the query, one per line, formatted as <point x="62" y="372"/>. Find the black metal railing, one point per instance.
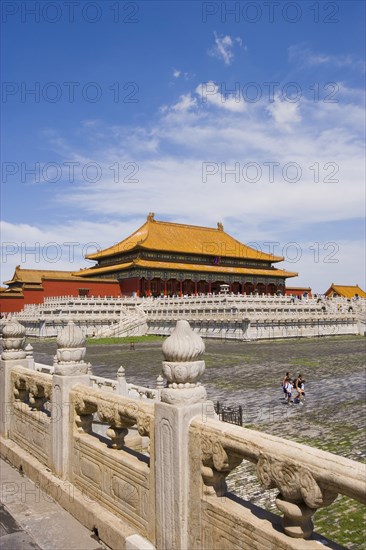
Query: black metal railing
<point x="233" y="415"/>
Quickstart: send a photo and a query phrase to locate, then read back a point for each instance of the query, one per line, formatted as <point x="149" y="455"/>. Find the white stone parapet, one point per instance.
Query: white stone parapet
<point x="118" y="317"/>
<point x="307" y="478"/>
<point x="154" y="477"/>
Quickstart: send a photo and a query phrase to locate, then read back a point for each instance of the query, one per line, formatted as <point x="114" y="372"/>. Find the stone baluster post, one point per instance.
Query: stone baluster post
<point x="121" y="382"/>
<point x="183" y="399"/>
<point x="29" y="354"/>
<point x="70" y="370"/>
<point x="159" y="386"/>
<point x="13" y="354"/>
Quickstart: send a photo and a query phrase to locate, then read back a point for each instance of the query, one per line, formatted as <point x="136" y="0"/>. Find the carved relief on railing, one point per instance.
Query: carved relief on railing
<point x="217" y="463"/>
<point x="31" y="387"/>
<point x="31" y="415"/>
<point x="84" y="411"/>
<point x="307" y="478"/>
<point x="119" y="412"/>
<point x="300" y="495"/>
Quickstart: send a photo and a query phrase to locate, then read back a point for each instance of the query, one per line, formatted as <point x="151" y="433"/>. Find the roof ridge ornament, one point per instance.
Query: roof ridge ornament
<point x="150" y="217"/>
<point x="220" y="226"/>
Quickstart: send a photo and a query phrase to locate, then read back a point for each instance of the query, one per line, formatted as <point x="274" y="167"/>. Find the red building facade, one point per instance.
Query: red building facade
<point x="31" y="286"/>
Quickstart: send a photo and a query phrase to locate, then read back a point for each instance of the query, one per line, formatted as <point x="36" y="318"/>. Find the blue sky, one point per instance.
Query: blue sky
<point x="253" y="118"/>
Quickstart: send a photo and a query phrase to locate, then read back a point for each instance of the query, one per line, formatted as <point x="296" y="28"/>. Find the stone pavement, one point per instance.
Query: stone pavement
<point x="31" y="520"/>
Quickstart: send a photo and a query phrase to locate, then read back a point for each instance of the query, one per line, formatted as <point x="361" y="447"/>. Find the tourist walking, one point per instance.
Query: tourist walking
<point x="288" y="386"/>
<point x="287" y="375"/>
<point x="300" y="388"/>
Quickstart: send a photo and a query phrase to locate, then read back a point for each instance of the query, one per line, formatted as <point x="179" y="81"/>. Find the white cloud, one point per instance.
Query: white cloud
<point x="210" y="93"/>
<point x="90" y="123"/>
<point x="172" y="155"/>
<point x="223" y="48"/>
<point x="307" y="57"/>
<point x="45" y="246"/>
<point x="177" y="73"/>
<point x="284" y="113"/>
<point x="185" y="103"/>
<point x="324" y="263"/>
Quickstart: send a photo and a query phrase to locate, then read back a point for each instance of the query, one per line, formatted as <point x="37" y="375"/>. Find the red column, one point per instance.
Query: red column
<point x="164" y="287"/>
<point x="180" y="288"/>
<point x="209" y="288"/>
<point x="195" y="288"/>
<point x="148" y="288"/>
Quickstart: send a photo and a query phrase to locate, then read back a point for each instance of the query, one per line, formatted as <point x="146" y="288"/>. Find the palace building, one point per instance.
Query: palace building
<point x="165" y="258"/>
<point x="160" y="258"/>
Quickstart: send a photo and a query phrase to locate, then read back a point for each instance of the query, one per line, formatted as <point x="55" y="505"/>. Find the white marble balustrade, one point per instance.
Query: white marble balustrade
<point x="145" y="467"/>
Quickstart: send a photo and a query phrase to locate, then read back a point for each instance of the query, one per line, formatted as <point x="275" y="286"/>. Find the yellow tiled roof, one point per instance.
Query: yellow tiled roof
<point x="35" y="276"/>
<point x="182" y="238"/>
<point x="346" y="291"/>
<point x="189" y="267"/>
<point x="12" y="291"/>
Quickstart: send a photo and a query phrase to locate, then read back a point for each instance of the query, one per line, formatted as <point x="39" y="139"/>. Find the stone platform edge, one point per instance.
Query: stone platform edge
<point x="112" y="531"/>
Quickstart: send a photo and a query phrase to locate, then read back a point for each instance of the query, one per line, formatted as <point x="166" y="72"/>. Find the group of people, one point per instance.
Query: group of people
<point x="288" y="384"/>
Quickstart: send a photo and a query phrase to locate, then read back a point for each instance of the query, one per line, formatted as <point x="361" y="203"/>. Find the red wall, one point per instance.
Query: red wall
<point x="297" y="292"/>
<point x="71" y="288"/>
<point x="11" y="305"/>
<point x="57" y="287"/>
<point x="129" y="286"/>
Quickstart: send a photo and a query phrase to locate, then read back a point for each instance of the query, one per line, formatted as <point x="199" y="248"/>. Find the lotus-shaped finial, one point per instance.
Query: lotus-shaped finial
<point x="13" y="329"/>
<point x="71" y="337"/>
<point x="183" y="344"/>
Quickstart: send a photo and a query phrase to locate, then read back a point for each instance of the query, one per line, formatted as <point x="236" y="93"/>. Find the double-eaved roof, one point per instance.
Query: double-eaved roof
<point x="183" y="238"/>
<point x="187" y="245"/>
<point x="202" y="268"/>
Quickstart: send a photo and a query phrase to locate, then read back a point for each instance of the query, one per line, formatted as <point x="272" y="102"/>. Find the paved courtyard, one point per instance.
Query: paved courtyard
<point x="249" y="374"/>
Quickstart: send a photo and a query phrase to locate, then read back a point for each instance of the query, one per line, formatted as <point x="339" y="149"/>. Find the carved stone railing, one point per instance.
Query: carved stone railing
<point x="102" y="383"/>
<point x="31" y="387"/>
<point x="30" y="423"/>
<point x="142" y="392"/>
<point x="120" y="386"/>
<point x="119" y="473"/>
<point x="307" y="478"/>
<point x="119" y="412"/>
<point x="156" y="469"/>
